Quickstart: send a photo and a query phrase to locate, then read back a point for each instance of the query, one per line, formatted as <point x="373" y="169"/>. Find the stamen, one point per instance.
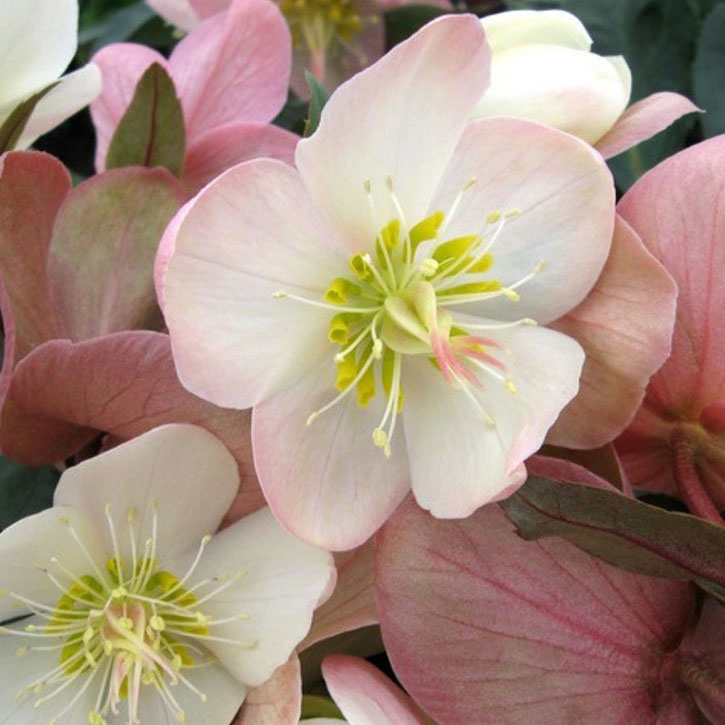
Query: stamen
<point x="379" y="237"/>
<point x="340" y="356"/>
<point x="114" y="541"/>
<point x="76" y="537"/>
<point x="487" y="419"/>
<point x="454" y="206"/>
<point x="282" y="295"/>
<point x="408" y="252"/>
<point x="376" y="273"/>
<point x="202" y="545"/>
<point x="496" y="326"/>
<point x="154" y="537"/>
<point x="380" y="438"/>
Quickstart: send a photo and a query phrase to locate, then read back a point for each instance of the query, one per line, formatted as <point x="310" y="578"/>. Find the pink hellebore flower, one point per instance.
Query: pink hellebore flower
<point x="542" y="69"/>
<point x="377" y="306"/>
<point x="140" y="613"/>
<point x="333" y="39"/>
<point x="676" y="443"/>
<point x="231" y="75"/>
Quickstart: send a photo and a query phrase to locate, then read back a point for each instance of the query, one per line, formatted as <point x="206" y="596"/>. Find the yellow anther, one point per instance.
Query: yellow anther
<point x="90" y="659"/>
<point x="176" y="662"/>
<point x="511" y="387"/>
<point x="181" y="716"/>
<point x="510" y="294"/>
<point x="157" y="623"/>
<point x="132" y="515"/>
<point x="88" y="634"/>
<point x="428" y="267"/>
<point x="119" y="593"/>
<point x="377" y="349"/>
<point x="493" y="217"/>
<point x="107" y="647"/>
<point x="512" y="213"/>
<point x="125" y="623"/>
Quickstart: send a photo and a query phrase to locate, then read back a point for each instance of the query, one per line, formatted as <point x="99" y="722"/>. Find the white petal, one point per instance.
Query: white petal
<point x="400" y="117"/>
<point x="224" y="697"/>
<point x="74" y="92"/>
<point x="327" y="482"/>
<point x="177" y="12"/>
<point x="185" y="469"/>
<point x="29" y="544"/>
<point x="457" y="461"/>
<point x="19" y="672"/>
<point x="252" y="232"/>
<point x="521" y="27"/>
<point x="284" y="581"/>
<point x="566" y="197"/>
<point x="38" y="40"/>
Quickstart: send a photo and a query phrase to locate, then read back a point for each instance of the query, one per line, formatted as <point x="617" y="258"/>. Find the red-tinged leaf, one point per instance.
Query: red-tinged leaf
<point x="624" y="532"/>
<point x="484" y="627"/>
<point x="64" y="394"/>
<point x="151" y="132"/>
<point x="103" y="250"/>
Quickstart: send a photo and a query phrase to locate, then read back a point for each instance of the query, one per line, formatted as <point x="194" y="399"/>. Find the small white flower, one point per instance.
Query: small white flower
<point x="139" y="615"/>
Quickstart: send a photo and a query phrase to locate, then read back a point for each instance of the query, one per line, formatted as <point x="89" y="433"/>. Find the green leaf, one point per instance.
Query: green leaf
<point x="15" y="123"/>
<point x="709" y="72"/>
<point x="24" y="491"/>
<point x="293" y="115"/>
<point x="318" y="99"/>
<point x="401" y="23"/>
<point x="151" y="132"/>
<point x="319" y="706"/>
<point x="624" y="532"/>
<point x="116" y="26"/>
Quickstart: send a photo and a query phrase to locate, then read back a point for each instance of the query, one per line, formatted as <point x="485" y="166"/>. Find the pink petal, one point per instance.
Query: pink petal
<point x="400" y="117"/>
<point x="233" y="68"/>
<point x="278" y="701"/>
<point x="122" y="65"/>
<point x="365" y="695"/>
<point x="177" y="12"/>
<point x="565" y="194"/>
<point x="642" y="120"/>
<point x="625" y="326"/>
<point x="483" y="627"/>
<point x="32" y="188"/>
<point x="64" y="394"/>
<point x="120" y="215"/>
<point x="207" y="8"/>
<point x="326" y="482"/>
<point x="352" y="604"/>
<point x="224" y="147"/>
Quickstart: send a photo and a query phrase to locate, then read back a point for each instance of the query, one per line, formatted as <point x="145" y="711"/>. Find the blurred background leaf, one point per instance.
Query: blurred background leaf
<point x="24" y="491"/>
<point x="709" y="71"/>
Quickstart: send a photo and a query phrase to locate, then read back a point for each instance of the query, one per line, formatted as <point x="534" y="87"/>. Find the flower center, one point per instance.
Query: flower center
<point x="397" y="301"/>
<point x="314" y="24"/>
<point x="131" y="626"/>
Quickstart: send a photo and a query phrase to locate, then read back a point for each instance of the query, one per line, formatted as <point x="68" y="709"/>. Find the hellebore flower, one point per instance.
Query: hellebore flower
<point x="542" y="69"/>
<point x="377" y="306"/>
<point x="38" y="39"/>
<point x="676" y="443"/>
<point x="231" y="75"/>
<point x="138" y="613"/>
<point x="332" y="39"/>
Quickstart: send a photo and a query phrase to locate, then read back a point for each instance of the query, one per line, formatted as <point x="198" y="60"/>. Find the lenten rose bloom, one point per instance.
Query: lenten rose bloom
<point x="38" y="39"/>
<point x="542" y="68"/>
<point x="378" y="305"/>
<point x="138" y="613"/>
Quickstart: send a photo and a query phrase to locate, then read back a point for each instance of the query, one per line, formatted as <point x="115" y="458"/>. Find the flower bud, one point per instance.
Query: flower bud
<point x="542" y="69"/>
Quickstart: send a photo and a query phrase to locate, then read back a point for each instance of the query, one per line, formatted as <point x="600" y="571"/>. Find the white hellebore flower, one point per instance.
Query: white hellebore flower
<point x="138" y="614"/>
<point x="38" y="39"/>
<point x="542" y="69"/>
<point x="377" y="305"/>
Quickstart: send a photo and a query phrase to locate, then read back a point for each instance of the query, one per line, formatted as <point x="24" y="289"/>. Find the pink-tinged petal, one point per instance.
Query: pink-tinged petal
<point x="678" y="209"/>
<point x="458" y="462"/>
<point x="326" y="482"/>
<point x="703" y="656"/>
<point x="207" y="8"/>
<point x="365" y="696"/>
<point x="120" y="215"/>
<point x="249" y="234"/>
<point x="122" y="65"/>
<point x="278" y="701"/>
<point x="352" y="604"/>
<point x="155" y="471"/>
<point x="63" y="395"/>
<point x="561" y="470"/>
<point x="380" y="123"/>
<point x="566" y="197"/>
<point x="625" y="327"/>
<point x="180" y="13"/>
<point x="233" y="68"/>
<point x="284" y="581"/>
<point x="73" y="92"/>
<point x="642" y="120"/>
<point x="481" y="626"/>
<point x="221" y="148"/>
<point x="33" y="187"/>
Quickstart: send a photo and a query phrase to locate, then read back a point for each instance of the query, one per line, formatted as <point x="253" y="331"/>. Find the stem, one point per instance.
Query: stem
<point x="688" y="480"/>
<point x="701" y="677"/>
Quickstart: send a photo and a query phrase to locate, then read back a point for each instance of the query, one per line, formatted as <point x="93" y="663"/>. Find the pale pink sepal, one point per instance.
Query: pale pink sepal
<point x="63" y="395"/>
<point x="233" y="68"/>
<point x="642" y="120"/>
<point x="177" y="12"/>
<point x="122" y="65"/>
<point x="482" y="626"/>
<point x="221" y="148"/>
<point x="278" y="701"/>
<point x="625" y="327"/>
<point x="366" y="696"/>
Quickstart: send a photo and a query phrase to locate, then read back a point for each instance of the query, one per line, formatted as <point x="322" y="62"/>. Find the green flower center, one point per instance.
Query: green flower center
<point x="314" y="24"/>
